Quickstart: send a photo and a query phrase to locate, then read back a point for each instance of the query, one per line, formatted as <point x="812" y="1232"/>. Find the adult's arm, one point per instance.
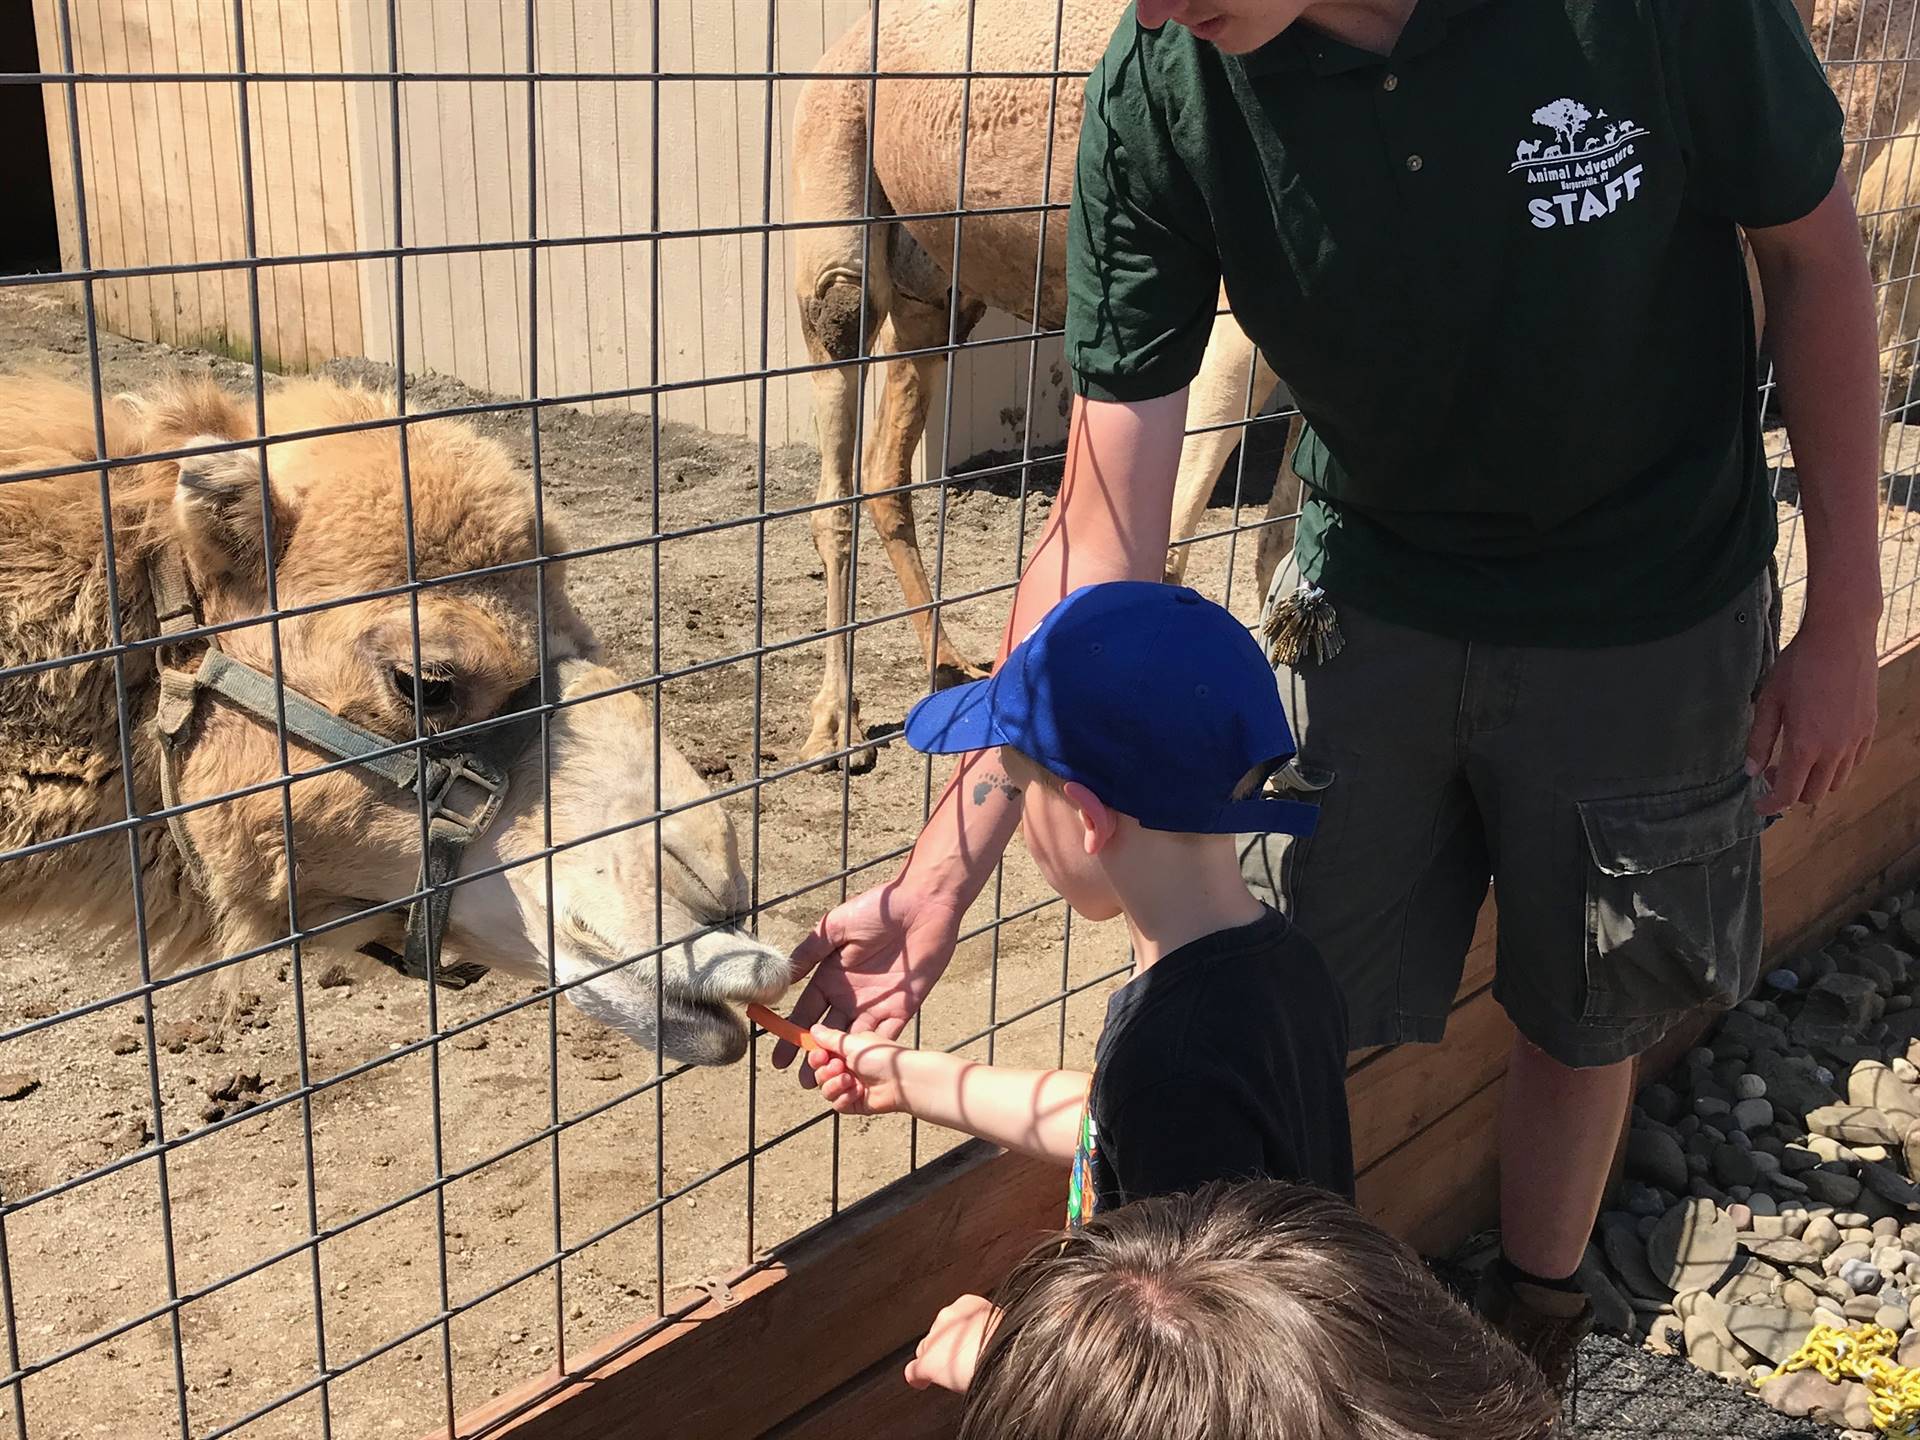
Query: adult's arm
<point x="874" y="958"/>
<point x="1815" y="718"/>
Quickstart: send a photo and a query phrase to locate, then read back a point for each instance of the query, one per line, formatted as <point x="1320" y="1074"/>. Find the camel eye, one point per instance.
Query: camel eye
<point x="434" y="689"/>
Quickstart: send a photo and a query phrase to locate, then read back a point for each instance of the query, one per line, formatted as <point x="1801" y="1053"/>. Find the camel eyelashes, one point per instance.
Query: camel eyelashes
<point x="434" y="689"/>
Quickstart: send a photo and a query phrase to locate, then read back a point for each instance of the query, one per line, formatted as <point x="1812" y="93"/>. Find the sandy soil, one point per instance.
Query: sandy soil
<point x="97" y="1256"/>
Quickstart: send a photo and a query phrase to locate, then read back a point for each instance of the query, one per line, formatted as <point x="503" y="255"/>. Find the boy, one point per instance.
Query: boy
<point x="1262" y="1311"/>
<point x="1139" y="722"/>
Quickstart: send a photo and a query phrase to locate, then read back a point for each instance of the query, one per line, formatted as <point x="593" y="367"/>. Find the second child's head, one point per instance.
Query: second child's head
<point x="1260" y="1311"/>
<point x="1139" y="721"/>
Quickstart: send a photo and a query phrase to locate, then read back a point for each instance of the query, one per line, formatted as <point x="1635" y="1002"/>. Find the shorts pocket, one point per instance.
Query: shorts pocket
<point x="1673" y="900"/>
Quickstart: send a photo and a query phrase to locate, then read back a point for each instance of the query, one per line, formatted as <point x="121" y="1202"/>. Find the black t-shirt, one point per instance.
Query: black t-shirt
<point x="1226" y="1060"/>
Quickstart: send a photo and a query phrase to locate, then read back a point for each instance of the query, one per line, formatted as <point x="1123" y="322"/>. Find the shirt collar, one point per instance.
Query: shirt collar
<point x="1301" y="47"/>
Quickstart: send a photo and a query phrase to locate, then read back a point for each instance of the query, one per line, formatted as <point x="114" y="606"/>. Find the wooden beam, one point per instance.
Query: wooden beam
<point x="831" y="1303"/>
<point x="877" y="1403"/>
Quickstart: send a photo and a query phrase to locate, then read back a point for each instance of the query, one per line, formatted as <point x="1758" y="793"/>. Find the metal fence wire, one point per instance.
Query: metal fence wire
<point x="553" y="625"/>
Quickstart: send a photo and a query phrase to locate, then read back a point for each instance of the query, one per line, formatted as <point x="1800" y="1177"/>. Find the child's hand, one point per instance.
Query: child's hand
<point x="951" y="1348"/>
<point x="857" y="1074"/>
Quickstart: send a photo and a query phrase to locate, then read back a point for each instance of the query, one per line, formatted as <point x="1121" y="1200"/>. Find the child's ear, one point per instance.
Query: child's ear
<point x="1097" y="822"/>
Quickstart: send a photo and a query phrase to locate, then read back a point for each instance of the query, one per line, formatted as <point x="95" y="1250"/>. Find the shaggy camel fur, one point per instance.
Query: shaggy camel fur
<point x="337" y="531"/>
<point x="891" y="288"/>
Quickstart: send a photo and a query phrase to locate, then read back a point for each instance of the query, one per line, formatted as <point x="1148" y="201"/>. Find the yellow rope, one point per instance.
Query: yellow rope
<point x="1865" y="1353"/>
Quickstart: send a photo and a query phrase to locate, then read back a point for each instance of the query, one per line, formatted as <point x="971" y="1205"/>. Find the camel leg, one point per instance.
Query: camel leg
<point x="913" y="325"/>
<point x="1218" y="397"/>
<point x="844" y="288"/>
<point x="1276" y="536"/>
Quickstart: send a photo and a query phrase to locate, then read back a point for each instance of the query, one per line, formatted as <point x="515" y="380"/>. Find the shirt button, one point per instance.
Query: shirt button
<point x="1414" y="162"/>
<point x="1392" y="82"/>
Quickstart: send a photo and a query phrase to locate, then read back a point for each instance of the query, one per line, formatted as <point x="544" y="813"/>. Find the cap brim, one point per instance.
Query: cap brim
<point x="952" y="722"/>
<point x="1268" y="817"/>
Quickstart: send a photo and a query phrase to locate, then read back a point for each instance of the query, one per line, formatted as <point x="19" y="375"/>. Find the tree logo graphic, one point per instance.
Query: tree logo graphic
<point x="1566" y="118"/>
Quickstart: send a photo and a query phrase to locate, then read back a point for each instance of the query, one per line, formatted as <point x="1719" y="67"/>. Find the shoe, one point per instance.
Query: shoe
<point x="1545" y="1325"/>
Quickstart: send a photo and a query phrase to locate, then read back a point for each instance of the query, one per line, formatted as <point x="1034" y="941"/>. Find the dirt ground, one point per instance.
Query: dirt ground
<point x="99" y="1255"/>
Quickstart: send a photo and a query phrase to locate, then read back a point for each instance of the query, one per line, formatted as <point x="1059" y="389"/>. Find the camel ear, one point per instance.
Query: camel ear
<point x="217" y="506"/>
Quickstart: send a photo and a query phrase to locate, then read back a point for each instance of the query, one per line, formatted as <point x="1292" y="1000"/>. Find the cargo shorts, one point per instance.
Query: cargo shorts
<point x="1601" y="792"/>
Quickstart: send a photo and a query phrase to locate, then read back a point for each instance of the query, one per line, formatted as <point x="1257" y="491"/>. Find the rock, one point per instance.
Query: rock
<point x="1756" y="1035"/>
<point x="1909" y="925"/>
<point x="1910" y="1150"/>
<point x="1909" y="1351"/>
<point x="1734" y="1166"/>
<point x="1779" y="1227"/>
<point x="1860" y="1276"/>
<point x="1873" y="1086"/>
<point x="1708" y="1107"/>
<point x="1644" y="1200"/>
<point x="1660" y="1104"/>
<point x="1771" y="1333"/>
<point x="1708" y="1348"/>
<point x="235" y="1086"/>
<point x="469" y="1040"/>
<point x="1665" y="1335"/>
<point x="1837" y="1006"/>
<point x="1887" y="1229"/>
<point x="1749" y="1087"/>
<point x="124" y="1042"/>
<point x="1781" y="1252"/>
<point x="125" y="1133"/>
<point x="1833" y="1189"/>
<point x="1798" y="1297"/>
<point x="335" y="976"/>
<point x="17" y="1085"/>
<point x="1656" y="1157"/>
<point x="1692" y="1246"/>
<point x="1783" y="980"/>
<point x="1905" y="1071"/>
<point x="1740" y="1139"/>
<point x="1821" y="1235"/>
<point x="1701" y="1190"/>
<point x="1856" y="1125"/>
<point x="1752" y="1284"/>
<point x="1795" y="1159"/>
<point x="1890" y="1185"/>
<point x="1793" y="1087"/>
<point x="1852" y="1250"/>
<point x="1751" y="1115"/>
<point x="177" y="1035"/>
<point x="1729" y="1068"/>
<point x="1611" y="1311"/>
<point x="1628" y="1257"/>
<point x="1891" y="1317"/>
<point x="1859" y="1308"/>
<point x="1645" y="1225"/>
<point x="1875" y="1206"/>
<point x="1878" y="919"/>
<point x="1830" y="1151"/>
<point x="1830" y="1316"/>
<point x="1741" y="1216"/>
<point x="1805" y="1395"/>
<point x="1762" y="1205"/>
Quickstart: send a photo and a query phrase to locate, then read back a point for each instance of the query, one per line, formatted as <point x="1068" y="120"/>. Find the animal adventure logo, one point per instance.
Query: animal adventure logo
<point x="1586" y="169"/>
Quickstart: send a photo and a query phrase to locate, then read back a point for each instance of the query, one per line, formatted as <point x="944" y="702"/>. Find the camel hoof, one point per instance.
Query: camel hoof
<point x="949" y="673"/>
<point x="828" y="740"/>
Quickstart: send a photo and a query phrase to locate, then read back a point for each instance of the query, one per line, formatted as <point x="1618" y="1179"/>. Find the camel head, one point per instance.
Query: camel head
<point x="336" y="527"/>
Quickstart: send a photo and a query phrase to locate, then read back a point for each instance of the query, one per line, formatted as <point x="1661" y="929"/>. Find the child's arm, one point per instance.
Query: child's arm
<point x="1036" y="1112"/>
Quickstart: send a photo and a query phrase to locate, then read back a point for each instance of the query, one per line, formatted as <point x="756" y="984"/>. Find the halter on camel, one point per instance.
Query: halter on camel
<point x="465" y="779"/>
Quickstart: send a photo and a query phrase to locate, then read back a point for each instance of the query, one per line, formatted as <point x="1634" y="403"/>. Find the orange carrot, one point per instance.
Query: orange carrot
<point x="785" y="1029"/>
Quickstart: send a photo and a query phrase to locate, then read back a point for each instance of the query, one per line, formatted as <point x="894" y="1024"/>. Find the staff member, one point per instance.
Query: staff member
<point x="1527" y="634"/>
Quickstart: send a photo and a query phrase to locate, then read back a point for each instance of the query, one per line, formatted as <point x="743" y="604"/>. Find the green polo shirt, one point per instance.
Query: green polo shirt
<point x="1499" y="273"/>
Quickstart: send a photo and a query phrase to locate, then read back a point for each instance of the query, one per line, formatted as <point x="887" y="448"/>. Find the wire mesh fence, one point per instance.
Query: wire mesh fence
<point x="555" y="631"/>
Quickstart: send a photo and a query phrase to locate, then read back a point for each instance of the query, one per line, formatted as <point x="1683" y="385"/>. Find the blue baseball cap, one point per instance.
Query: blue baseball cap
<point x="1150" y="695"/>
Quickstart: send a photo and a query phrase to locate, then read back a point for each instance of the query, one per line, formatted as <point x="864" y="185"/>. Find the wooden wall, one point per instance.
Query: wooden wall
<point x="163" y="178"/>
<point x="812" y="1346"/>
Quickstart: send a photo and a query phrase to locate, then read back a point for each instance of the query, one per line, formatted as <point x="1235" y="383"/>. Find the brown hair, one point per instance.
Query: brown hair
<point x="1257" y="1311"/>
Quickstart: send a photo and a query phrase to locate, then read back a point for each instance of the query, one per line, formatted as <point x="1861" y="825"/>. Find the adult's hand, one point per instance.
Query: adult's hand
<point x="1814" y="720"/>
<point x="873" y="959"/>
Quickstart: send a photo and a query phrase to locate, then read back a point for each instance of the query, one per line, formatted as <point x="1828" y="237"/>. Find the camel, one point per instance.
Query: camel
<point x="217" y="880"/>
<point x="891" y="288"/>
